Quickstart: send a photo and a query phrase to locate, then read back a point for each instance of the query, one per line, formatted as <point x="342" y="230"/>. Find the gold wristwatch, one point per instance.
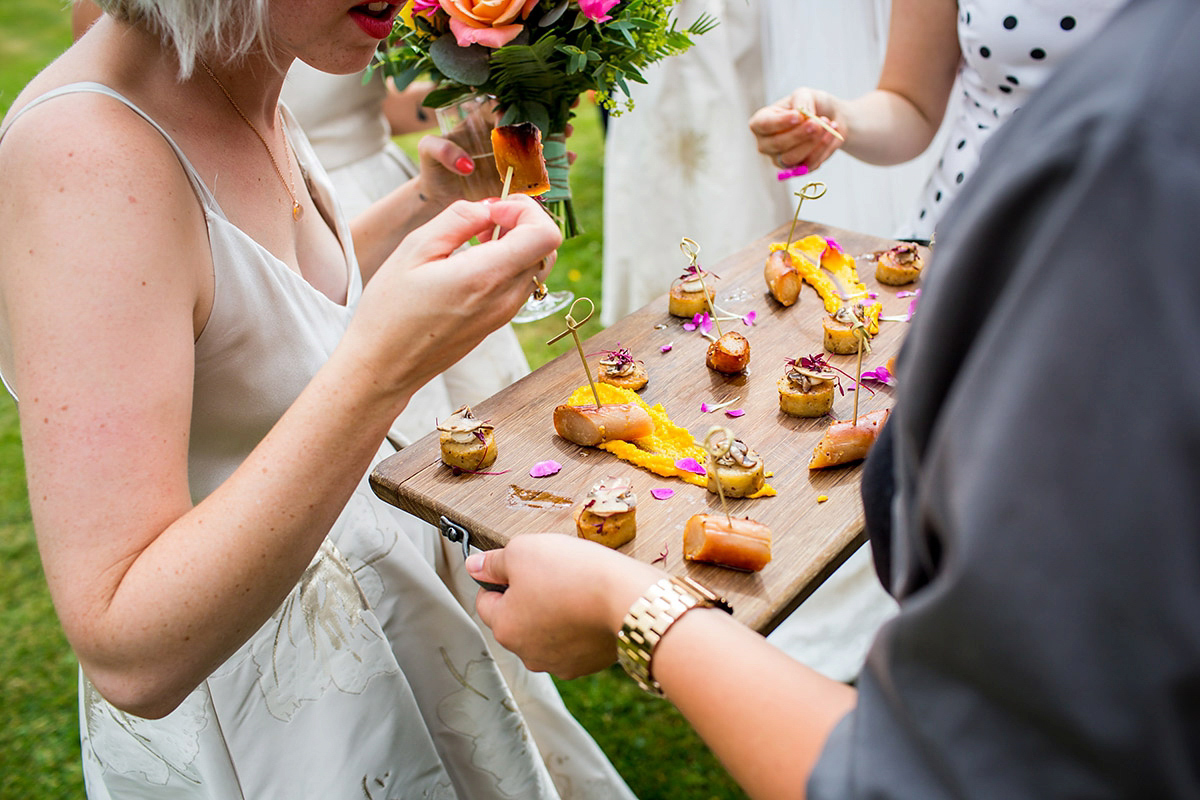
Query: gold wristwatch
<point x="650" y="616"/>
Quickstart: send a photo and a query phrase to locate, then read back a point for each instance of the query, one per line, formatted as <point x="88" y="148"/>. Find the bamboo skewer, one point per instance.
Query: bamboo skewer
<point x="692" y="251"/>
<point x="573" y="330"/>
<point x="715" y="451"/>
<point x="819" y="190"/>
<point x="829" y="128"/>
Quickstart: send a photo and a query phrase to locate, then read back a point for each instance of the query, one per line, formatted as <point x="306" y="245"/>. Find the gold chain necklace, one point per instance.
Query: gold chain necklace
<point x="297" y="209"/>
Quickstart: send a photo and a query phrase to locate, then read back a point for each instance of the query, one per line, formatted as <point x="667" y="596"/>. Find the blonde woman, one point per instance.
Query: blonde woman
<point x="203" y="381"/>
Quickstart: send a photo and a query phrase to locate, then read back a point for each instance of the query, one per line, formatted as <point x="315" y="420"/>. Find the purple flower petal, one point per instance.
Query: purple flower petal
<point x="749" y="318"/>
<point x="837" y="248"/>
<point x="880" y="375"/>
<point x="705" y="408"/>
<point x="907" y="293"/>
<point x="912" y="306"/>
<point x="735" y="412"/>
<point x="662" y="494"/>
<point x="666" y="348"/>
<point x="792" y="172"/>
<point x="691" y="465"/>
<point x="544" y="469"/>
<point x="689" y="326"/>
<point x="706" y="323"/>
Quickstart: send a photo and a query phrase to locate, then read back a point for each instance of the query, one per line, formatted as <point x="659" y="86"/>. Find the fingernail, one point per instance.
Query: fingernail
<point x="475" y="563"/>
<point x="465" y="165"/>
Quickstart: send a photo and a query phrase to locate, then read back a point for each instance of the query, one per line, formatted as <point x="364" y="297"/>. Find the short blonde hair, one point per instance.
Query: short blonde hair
<point x="225" y="30"/>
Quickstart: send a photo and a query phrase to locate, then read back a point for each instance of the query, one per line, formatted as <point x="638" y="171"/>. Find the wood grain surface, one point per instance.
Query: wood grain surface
<point x="811" y="538"/>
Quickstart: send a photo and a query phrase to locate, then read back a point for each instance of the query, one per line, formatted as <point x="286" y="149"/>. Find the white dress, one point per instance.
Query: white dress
<point x="684" y="163"/>
<point x="343" y="119"/>
<point x="1009" y="49"/>
<point x="372" y="679"/>
<point x="838" y="46"/>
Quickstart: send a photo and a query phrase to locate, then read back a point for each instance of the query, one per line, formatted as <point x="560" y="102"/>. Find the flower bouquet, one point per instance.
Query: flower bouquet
<point x="535" y="57"/>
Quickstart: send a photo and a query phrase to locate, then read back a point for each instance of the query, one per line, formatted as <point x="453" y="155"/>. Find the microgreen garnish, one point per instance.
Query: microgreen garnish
<point x="693" y="272"/>
<point x="663" y="555"/>
<point x="619" y="357"/>
<point x="817" y="363"/>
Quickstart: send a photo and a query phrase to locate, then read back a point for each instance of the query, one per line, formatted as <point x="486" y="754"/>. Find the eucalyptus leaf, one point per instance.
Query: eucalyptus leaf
<point x="465" y="65"/>
<point x="404" y="78"/>
<point x="445" y="95"/>
<point x="553" y="15"/>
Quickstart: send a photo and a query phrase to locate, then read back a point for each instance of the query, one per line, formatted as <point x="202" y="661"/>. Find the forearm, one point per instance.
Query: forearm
<point x="765" y="715"/>
<point x="883" y="127"/>
<point x="187" y="601"/>
<point x="378" y="231"/>
<point x="405" y="111"/>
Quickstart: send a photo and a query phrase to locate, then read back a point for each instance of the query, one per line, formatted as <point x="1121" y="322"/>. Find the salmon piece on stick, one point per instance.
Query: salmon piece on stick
<point x="519" y="148"/>
<point x="846" y="440"/>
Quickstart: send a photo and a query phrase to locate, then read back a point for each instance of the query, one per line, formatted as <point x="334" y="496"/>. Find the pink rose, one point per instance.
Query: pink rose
<point x="486" y="22"/>
<point x="597" y="10"/>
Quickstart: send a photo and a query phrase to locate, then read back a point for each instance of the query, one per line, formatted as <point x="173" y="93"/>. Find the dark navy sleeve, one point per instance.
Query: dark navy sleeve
<point x="1046" y="519"/>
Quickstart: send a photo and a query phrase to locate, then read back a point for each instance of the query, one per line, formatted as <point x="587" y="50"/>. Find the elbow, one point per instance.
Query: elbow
<point x="137" y="693"/>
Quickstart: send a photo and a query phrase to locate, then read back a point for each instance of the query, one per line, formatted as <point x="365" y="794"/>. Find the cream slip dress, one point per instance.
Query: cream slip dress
<point x="372" y="679"/>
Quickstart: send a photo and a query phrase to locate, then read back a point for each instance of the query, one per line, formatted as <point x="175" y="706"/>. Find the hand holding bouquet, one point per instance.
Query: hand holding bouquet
<point x="535" y="57"/>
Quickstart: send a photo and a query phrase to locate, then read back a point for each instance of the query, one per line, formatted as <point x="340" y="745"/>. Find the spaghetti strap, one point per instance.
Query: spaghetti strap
<point x="198" y="186"/>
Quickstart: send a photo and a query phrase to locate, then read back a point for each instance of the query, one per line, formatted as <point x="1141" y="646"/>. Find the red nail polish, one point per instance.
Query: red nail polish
<point x="465" y="165"/>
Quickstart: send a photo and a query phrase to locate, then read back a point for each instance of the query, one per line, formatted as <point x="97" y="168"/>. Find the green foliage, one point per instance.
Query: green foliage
<point x="558" y="56"/>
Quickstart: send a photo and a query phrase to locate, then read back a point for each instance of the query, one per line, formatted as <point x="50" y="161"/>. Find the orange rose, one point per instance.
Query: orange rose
<point x="486" y="22"/>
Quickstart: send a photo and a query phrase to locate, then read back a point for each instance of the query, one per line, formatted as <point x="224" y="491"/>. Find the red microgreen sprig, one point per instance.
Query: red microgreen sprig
<point x="693" y="272"/>
<point x="817" y="363"/>
<point x="621" y="356"/>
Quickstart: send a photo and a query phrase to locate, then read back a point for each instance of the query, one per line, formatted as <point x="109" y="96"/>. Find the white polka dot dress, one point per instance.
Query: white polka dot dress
<point x="1009" y="49"/>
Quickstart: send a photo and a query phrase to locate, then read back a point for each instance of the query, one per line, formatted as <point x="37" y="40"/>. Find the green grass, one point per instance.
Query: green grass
<point x="647" y="740"/>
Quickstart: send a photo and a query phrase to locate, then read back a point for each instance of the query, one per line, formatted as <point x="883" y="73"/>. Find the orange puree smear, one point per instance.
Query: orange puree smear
<point x="812" y="249"/>
<point x="659" y="451"/>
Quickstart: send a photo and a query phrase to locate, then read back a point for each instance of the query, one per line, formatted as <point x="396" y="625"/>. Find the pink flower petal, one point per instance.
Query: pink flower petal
<point x="706" y="323"/>
<point x="495" y="37"/>
<point x="689" y="326"/>
<point x="544" y="469"/>
<point x="662" y="494"/>
<point x="837" y="248"/>
<point x="597" y="10"/>
<point x="691" y="465"/>
<point x="735" y="412"/>
<point x="749" y="318"/>
<point x="880" y="375"/>
<point x="666" y="348"/>
<point x="705" y="408"/>
<point x="792" y="172"/>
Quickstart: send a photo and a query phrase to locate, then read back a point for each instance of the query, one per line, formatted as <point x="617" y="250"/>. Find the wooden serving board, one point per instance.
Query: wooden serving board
<point x="811" y="538"/>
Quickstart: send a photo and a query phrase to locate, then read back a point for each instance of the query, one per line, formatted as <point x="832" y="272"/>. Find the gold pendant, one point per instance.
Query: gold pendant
<point x="297" y="211"/>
